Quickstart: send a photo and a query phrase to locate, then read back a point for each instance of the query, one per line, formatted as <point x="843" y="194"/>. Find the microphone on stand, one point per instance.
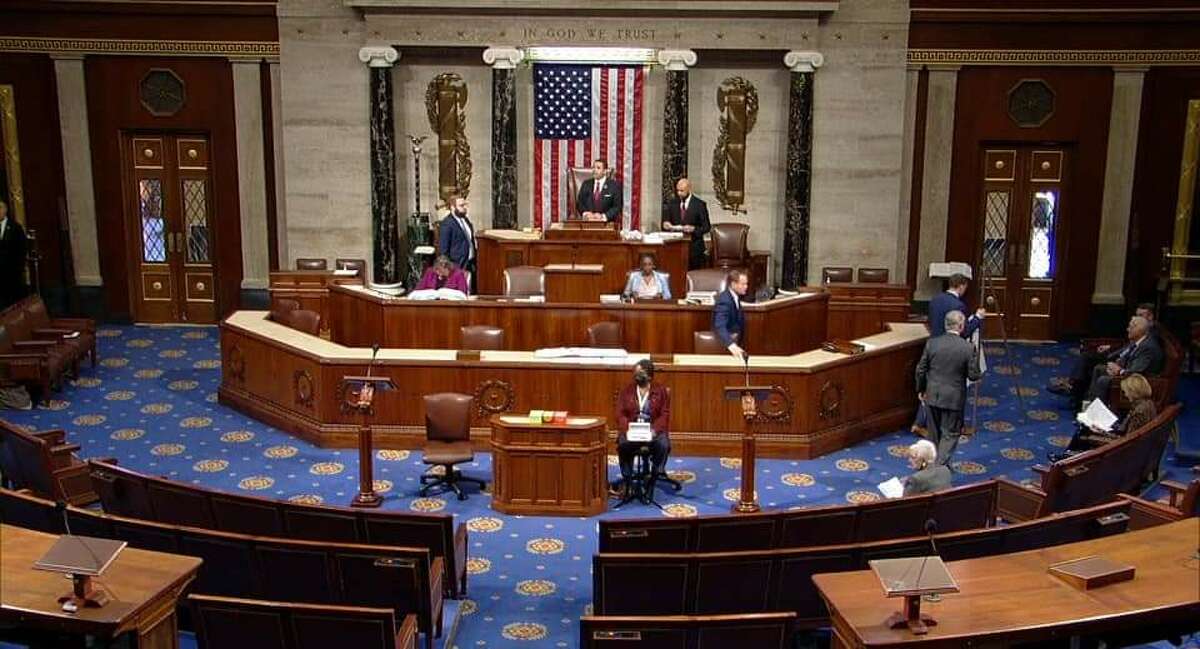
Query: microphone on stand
<point x="368" y="389"/>
<point x="930" y="529"/>
<point x="746" y="361"/>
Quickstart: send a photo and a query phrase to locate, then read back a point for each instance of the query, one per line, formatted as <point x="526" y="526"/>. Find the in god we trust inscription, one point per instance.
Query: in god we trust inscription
<point x="589" y="34"/>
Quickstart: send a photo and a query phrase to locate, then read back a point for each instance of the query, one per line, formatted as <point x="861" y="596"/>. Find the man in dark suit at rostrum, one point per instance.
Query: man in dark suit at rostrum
<point x="456" y="238"/>
<point x="12" y="258"/>
<point x="1143" y="355"/>
<point x="688" y="214"/>
<point x="942" y="373"/>
<point x="729" y="322"/>
<point x="600" y="197"/>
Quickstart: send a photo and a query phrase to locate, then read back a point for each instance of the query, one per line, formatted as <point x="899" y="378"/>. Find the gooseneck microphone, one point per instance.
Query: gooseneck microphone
<point x="930" y="530"/>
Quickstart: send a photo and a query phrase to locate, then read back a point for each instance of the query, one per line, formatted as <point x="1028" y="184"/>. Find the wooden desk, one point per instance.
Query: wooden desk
<point x="308" y="287"/>
<point x="290" y="380"/>
<point x="582" y="231"/>
<point x="1011" y="598"/>
<point x="144" y="586"/>
<point x="862" y="309"/>
<point x="361" y="318"/>
<point x="549" y="469"/>
<point x="574" y="282"/>
<point x="500" y="249"/>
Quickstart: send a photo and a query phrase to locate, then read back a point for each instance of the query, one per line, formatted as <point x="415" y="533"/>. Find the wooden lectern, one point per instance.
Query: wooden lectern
<point x="910" y="578"/>
<point x="359" y="396"/>
<point x="580" y="230"/>
<point x="751" y="398"/>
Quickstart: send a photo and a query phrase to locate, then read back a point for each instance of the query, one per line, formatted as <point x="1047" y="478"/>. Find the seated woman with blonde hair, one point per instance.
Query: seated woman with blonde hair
<point x="1136" y="390"/>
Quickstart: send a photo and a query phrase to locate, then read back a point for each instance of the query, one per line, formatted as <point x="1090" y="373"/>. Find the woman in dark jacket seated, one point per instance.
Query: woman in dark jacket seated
<point x="1142" y="410"/>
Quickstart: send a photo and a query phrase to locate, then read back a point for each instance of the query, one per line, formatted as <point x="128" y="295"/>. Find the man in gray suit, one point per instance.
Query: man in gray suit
<point x="929" y="476"/>
<point x="942" y="373"/>
<point x="1141" y="355"/>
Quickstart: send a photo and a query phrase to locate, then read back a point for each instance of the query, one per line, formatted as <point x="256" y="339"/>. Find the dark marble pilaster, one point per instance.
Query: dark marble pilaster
<point x="675" y="133"/>
<point x="797" y="204"/>
<point x="504" y="148"/>
<point x="387" y="265"/>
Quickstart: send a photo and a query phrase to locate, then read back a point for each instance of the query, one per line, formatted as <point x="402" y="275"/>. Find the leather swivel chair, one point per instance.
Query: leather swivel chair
<point x="706" y="279"/>
<point x="304" y="320"/>
<point x="304" y="263"/>
<point x="706" y="342"/>
<point x="605" y="334"/>
<point x="524" y="281"/>
<point x="730" y="245"/>
<point x="351" y="264"/>
<point x="837" y="275"/>
<point x="873" y="275"/>
<point x="448" y="441"/>
<point x="281" y="307"/>
<point x="482" y="337"/>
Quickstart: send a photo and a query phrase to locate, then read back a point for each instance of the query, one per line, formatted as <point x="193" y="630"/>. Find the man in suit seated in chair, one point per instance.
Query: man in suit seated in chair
<point x="648" y="402"/>
<point x="1143" y="354"/>
<point x="929" y="475"/>
<point x="600" y="197"/>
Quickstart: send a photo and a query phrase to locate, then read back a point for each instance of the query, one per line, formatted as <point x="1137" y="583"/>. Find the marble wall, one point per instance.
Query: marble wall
<point x="858" y="123"/>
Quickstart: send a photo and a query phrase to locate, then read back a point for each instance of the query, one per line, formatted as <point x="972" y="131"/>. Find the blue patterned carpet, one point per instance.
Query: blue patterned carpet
<point x="152" y="404"/>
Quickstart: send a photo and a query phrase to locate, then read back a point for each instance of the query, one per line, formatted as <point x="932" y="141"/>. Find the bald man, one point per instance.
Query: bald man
<point x="688" y="214"/>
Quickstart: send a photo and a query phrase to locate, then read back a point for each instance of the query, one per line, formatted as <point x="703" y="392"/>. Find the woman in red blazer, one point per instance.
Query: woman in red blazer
<point x="643" y="400"/>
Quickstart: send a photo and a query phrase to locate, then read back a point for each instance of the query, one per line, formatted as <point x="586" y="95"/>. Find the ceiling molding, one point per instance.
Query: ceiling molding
<point x="1053" y="57"/>
<point x="29" y="44"/>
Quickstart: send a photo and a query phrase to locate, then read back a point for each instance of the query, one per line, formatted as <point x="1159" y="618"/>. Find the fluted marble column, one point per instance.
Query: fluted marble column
<point x="675" y="119"/>
<point x="504" y="62"/>
<point x="386" y="240"/>
<point x="1123" y="125"/>
<point x="798" y="198"/>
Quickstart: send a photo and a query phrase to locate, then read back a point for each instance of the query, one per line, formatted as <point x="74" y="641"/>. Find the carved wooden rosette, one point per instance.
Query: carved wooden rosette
<point x="737" y="102"/>
<point x="494" y="397"/>
<point x="446" y="106"/>
<point x="303" y="388"/>
<point x="235" y="362"/>
<point x="829" y="400"/>
<point x="776" y="408"/>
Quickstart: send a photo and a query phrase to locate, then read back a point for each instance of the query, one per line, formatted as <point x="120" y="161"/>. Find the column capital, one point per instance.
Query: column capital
<point x="799" y="61"/>
<point x="1131" y="69"/>
<point x="503" y="58"/>
<point x="676" y="60"/>
<point x="378" y="56"/>
<point x="66" y="56"/>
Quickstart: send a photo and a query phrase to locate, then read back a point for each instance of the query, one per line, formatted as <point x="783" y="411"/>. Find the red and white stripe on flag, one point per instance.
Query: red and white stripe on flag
<point x="616" y="136"/>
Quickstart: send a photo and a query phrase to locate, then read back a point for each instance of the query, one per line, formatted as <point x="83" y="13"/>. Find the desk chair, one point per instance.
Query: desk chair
<point x="873" y="275"/>
<point x="448" y="441"/>
<point x="524" y="281"/>
<point x="706" y="279"/>
<point x="730" y="245"/>
<point x="605" y="334"/>
<point x="303" y="263"/>
<point x="837" y="274"/>
<point x="351" y="264"/>
<point x="304" y="320"/>
<point x="482" y="337"/>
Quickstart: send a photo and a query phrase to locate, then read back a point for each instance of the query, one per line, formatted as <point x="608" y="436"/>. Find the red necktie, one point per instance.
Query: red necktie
<point x="682" y="213"/>
<point x="596" y="196"/>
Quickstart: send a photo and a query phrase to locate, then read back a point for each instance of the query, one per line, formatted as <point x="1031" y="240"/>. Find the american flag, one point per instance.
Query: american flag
<point x="581" y="113"/>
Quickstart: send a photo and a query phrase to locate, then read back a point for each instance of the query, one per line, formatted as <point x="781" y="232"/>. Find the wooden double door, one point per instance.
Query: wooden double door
<point x="169" y="220"/>
<point x="1019" y="250"/>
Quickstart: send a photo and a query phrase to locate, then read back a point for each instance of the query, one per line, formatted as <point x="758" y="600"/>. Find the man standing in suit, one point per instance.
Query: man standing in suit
<point x="929" y="475"/>
<point x="688" y="214"/>
<point x="1141" y="355"/>
<point x="942" y="374"/>
<point x="951" y="300"/>
<point x="600" y="197"/>
<point x="456" y="237"/>
<point x="12" y="258"/>
<point x="729" y="322"/>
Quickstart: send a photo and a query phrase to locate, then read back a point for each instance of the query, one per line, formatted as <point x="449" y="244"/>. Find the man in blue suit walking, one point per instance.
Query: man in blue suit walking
<point x="456" y="237"/>
<point x="941" y="304"/>
<point x="729" y="322"/>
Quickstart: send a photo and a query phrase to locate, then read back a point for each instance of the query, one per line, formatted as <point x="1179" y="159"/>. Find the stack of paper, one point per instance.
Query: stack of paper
<point x="437" y="294"/>
<point x="579" y="352"/>
<point x="614" y="298"/>
<point x="1097" y="416"/>
<point x="948" y="268"/>
<point x="892" y="488"/>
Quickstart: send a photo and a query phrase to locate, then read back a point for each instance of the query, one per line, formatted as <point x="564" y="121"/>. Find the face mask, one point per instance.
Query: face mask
<point x="641" y="379"/>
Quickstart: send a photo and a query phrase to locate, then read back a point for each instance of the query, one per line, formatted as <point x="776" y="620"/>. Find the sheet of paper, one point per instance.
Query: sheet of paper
<point x="892" y="488"/>
<point x="639" y="431"/>
<point x="1097" y="415"/>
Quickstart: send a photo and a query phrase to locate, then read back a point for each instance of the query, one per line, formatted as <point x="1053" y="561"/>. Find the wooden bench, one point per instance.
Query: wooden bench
<point x="757" y="630"/>
<point x="222" y="622"/>
<point x="960" y="508"/>
<point x="406" y="580"/>
<point x="125" y="492"/>
<point x="1094" y="476"/>
<point x="44" y="463"/>
<point x="1185" y="498"/>
<point x="717" y="583"/>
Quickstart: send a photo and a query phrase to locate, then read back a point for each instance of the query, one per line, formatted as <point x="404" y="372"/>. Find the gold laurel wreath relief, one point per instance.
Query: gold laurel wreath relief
<point x="737" y="102"/>
<point x="446" y="107"/>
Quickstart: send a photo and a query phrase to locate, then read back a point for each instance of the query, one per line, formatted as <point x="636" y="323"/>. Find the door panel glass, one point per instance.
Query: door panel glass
<point x="1042" y="217"/>
<point x="195" y="218"/>
<point x="995" y="233"/>
<point x="150" y="202"/>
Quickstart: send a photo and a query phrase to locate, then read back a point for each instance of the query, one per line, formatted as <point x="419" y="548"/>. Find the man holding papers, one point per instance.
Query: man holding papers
<point x="929" y="475"/>
<point x="643" y="402"/>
